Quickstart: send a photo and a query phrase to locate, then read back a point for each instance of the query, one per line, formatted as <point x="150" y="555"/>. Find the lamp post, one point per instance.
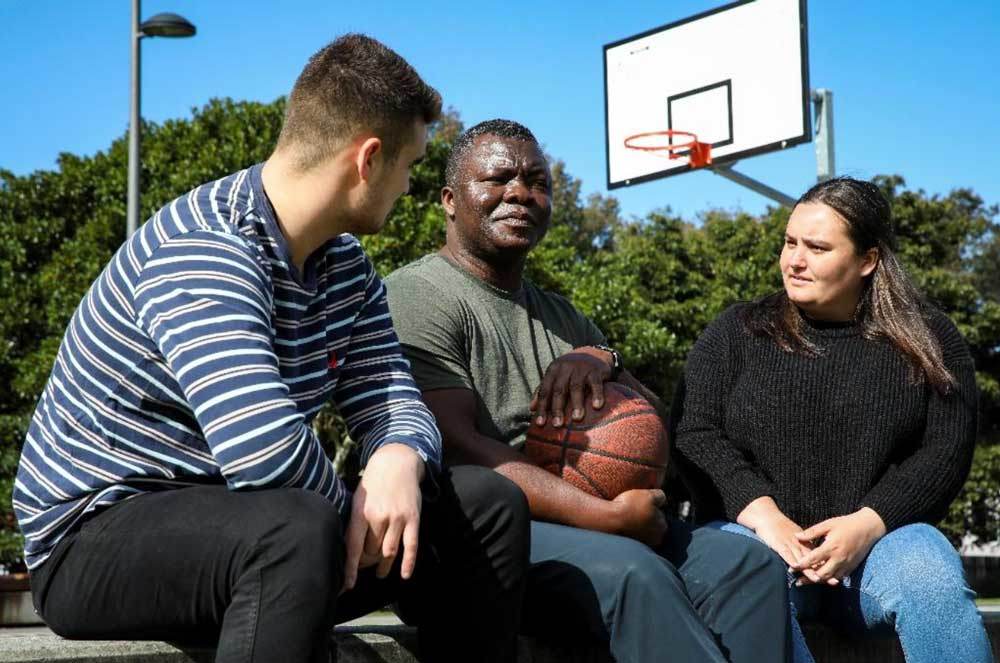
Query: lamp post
<point x="161" y="25"/>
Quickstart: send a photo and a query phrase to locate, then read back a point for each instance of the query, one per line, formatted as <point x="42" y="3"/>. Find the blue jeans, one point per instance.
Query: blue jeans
<point x="912" y="583"/>
<point x="702" y="596"/>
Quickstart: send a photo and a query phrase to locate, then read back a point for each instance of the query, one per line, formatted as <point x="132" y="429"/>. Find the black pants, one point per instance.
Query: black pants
<point x="260" y="572"/>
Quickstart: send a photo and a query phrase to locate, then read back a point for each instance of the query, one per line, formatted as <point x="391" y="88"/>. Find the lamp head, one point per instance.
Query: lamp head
<point x="167" y="25"/>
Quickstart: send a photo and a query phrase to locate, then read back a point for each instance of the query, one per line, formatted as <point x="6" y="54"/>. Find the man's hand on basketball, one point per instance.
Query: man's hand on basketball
<point x="639" y="514"/>
<point x="566" y="383"/>
<point x="385" y="514"/>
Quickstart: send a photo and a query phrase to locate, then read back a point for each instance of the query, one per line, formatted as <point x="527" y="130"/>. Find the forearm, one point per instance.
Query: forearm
<point x="549" y="497"/>
<point x="705" y="454"/>
<point x="759" y="512"/>
<point x="298" y="462"/>
<point x="406" y="422"/>
<point x="922" y="485"/>
<point x="710" y="457"/>
<point x="905" y="494"/>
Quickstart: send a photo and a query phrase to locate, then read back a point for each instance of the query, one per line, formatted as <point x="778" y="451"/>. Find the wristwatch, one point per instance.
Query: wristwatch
<point x="617" y="365"/>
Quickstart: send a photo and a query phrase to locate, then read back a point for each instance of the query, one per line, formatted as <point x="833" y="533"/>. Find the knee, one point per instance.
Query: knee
<point x="495" y="502"/>
<point x="924" y="560"/>
<point x="636" y="571"/>
<point x="64" y="628"/>
<point x="476" y="486"/>
<point x="300" y="532"/>
<point x="754" y="562"/>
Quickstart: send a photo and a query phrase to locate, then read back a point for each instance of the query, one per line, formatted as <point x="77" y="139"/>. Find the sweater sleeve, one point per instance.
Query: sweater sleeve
<point x="205" y="302"/>
<point x="922" y="485"/>
<point x="700" y="437"/>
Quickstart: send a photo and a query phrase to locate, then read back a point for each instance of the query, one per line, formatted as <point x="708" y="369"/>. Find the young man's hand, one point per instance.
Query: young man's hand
<point x="385" y="513"/>
<point x="571" y="376"/>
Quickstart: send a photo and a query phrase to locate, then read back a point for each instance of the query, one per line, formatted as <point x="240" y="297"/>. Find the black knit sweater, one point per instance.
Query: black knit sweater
<point x="824" y="436"/>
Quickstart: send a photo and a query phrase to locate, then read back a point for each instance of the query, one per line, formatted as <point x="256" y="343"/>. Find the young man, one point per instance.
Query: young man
<point x="483" y="341"/>
<point x="170" y="485"/>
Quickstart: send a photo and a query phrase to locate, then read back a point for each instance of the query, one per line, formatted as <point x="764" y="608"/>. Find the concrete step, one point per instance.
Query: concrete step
<point x="382" y="639"/>
<point x="368" y="644"/>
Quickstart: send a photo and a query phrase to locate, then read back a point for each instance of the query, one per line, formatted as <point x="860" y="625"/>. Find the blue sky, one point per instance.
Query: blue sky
<point x="915" y="82"/>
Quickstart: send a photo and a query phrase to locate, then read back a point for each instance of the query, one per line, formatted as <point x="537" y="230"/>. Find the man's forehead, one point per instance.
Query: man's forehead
<point x="491" y="149"/>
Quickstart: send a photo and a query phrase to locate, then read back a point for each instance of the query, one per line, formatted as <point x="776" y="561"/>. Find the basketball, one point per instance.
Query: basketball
<point x="622" y="446"/>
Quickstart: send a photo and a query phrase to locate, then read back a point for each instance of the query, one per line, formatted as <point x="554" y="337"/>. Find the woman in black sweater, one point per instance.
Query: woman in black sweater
<point x="834" y="421"/>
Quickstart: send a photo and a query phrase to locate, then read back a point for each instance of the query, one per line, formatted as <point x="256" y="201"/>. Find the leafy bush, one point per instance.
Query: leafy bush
<point x="976" y="510"/>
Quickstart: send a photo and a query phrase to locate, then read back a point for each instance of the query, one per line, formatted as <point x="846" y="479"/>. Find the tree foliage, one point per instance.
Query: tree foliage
<point x="651" y="284"/>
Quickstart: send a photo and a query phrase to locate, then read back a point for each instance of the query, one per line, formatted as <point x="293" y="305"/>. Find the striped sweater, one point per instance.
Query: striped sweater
<point x="200" y="355"/>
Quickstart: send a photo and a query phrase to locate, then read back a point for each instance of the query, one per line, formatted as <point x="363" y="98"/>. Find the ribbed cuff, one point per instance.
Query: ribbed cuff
<point x="893" y="514"/>
<point x="743" y="489"/>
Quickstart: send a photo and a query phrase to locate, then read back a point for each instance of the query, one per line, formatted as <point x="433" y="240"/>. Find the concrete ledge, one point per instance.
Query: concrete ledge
<point x="363" y="644"/>
<point x="394" y="643"/>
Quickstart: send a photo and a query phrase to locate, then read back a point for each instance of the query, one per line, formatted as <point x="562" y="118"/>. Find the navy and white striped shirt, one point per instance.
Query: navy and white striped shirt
<point x="200" y="355"/>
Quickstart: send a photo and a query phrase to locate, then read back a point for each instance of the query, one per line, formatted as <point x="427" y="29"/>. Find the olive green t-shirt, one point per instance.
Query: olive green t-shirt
<point x="460" y="332"/>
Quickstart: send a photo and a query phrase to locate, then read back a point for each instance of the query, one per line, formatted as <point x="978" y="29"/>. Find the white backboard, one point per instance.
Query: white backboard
<point x="737" y="76"/>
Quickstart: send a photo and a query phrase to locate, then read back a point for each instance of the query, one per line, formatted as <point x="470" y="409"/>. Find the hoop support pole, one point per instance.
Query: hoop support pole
<point x="752" y="184"/>
<point x="823" y="120"/>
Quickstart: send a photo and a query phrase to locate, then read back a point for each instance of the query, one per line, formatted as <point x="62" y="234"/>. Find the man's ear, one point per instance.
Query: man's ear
<point x="870" y="262"/>
<point x="448" y="201"/>
<point x="365" y="157"/>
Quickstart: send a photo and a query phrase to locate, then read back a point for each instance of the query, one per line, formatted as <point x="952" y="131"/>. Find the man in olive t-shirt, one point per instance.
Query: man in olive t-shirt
<point x="489" y="351"/>
<point x="464" y="333"/>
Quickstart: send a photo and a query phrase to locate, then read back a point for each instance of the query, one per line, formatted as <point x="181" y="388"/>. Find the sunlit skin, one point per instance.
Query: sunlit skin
<point x="351" y="191"/>
<point x="500" y="210"/>
<point x="822" y="271"/>
<point x="390" y="180"/>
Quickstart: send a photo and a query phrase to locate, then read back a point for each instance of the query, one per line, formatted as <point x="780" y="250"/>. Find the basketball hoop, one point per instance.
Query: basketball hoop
<point x="699" y="154"/>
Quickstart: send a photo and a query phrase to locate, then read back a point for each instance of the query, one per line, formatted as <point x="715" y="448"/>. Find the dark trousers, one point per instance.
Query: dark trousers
<point x="703" y="596"/>
<point x="260" y="572"/>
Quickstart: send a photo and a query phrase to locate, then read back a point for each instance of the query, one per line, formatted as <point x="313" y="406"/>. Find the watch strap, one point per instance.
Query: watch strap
<point x="617" y="365"/>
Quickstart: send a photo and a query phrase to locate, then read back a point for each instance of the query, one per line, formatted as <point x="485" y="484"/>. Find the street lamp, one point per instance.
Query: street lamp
<point x="161" y="25"/>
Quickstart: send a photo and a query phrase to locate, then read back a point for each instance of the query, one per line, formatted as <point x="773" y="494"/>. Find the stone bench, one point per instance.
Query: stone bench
<point x="387" y="641"/>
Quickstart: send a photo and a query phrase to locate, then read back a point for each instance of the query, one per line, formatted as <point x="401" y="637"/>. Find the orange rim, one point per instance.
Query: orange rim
<point x="699" y="154"/>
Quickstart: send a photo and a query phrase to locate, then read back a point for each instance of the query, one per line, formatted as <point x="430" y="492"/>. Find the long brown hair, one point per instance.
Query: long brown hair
<point x="891" y="306"/>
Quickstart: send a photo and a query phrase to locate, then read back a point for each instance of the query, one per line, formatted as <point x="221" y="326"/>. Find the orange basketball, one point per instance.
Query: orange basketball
<point x="617" y="448"/>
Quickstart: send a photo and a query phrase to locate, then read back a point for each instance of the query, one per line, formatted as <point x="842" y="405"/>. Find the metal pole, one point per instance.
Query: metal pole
<point x="755" y="185"/>
<point x="823" y="115"/>
<point x="134" y="129"/>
